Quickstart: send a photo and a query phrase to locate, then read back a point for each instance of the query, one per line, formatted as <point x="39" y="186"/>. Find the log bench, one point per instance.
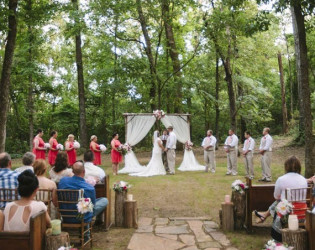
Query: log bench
<point x="103" y="190"/>
<point x="258" y="197"/>
<point x="33" y="240"/>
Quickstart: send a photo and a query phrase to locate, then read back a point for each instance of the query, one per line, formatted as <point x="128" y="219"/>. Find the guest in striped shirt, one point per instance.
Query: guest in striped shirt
<point x="8" y="178"/>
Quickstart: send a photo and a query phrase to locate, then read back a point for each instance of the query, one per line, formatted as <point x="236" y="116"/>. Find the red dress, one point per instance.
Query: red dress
<point x="72" y="154"/>
<point x="116" y="156"/>
<point x="53" y="154"/>
<point x="40" y="154"/>
<point x="97" y="155"/>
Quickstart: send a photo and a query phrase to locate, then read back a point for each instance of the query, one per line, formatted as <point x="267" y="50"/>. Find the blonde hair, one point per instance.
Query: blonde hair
<point x="70" y="136"/>
<point x="40" y="167"/>
<point x="92" y="137"/>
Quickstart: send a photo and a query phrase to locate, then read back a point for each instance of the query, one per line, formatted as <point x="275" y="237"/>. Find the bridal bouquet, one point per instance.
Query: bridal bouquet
<point x="76" y="145"/>
<point x="238" y="186"/>
<point x="272" y="245"/>
<point x="46" y="145"/>
<point x="189" y="145"/>
<point x="121" y="186"/>
<point x="103" y="147"/>
<point x="158" y="114"/>
<point x="283" y="209"/>
<point x="84" y="206"/>
<point x="59" y="147"/>
<point x="124" y="148"/>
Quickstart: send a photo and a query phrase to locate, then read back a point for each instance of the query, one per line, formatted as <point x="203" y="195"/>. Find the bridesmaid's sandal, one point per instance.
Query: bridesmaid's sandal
<point x="261" y="219"/>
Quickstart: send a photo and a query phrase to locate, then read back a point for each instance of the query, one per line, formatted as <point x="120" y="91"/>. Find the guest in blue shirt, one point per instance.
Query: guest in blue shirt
<point x="8" y="178"/>
<point x="78" y="182"/>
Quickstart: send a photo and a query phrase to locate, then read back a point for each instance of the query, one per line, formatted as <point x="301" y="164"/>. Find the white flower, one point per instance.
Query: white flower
<point x="76" y="145"/>
<point x="61" y="248"/>
<point x="59" y="147"/>
<point x="103" y="147"/>
<point x="46" y="145"/>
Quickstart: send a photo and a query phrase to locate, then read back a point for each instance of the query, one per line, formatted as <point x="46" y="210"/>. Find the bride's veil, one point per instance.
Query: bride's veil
<point x="155" y="136"/>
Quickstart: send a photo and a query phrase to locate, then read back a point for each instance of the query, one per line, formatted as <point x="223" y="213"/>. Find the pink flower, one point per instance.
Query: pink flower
<point x="242" y="185"/>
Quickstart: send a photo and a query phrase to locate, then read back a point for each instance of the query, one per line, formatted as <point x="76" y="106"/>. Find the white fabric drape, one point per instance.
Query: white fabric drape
<point x="190" y="162"/>
<point x="138" y="127"/>
<point x="180" y="125"/>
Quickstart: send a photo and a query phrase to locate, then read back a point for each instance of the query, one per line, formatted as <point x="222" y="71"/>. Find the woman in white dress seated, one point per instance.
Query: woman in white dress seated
<point x="155" y="166"/>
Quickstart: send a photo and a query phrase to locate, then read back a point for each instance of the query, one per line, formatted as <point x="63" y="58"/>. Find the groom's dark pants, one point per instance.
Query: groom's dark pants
<point x="164" y="158"/>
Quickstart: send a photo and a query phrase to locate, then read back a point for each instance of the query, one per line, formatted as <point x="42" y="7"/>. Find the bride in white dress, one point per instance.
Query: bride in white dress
<point x="155" y="166"/>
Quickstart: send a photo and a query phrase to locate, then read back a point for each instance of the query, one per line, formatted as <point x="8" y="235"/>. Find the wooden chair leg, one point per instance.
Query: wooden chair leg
<point x="91" y="236"/>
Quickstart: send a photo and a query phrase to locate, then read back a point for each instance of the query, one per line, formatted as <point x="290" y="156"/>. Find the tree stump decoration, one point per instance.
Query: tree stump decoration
<point x="131" y="214"/>
<point x="120" y="198"/>
<point x="296" y="239"/>
<point x="54" y="242"/>
<point x="239" y="200"/>
<point x="227" y="216"/>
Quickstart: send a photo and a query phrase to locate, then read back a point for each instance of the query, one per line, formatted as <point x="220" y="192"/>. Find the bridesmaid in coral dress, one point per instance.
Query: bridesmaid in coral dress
<point x="72" y="154"/>
<point x="53" y="151"/>
<point x="115" y="154"/>
<point x="39" y="145"/>
<point x="96" y="150"/>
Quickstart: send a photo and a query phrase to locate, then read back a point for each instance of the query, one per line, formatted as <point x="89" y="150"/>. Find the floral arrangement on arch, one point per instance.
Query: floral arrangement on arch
<point x="84" y="206"/>
<point x="273" y="245"/>
<point x="283" y="210"/>
<point x="188" y="145"/>
<point x="238" y="186"/>
<point x="124" y="148"/>
<point x="158" y="114"/>
<point x="121" y="186"/>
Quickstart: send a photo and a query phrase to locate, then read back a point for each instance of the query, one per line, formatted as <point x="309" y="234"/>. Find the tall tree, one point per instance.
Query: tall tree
<point x="6" y="70"/>
<point x="283" y="97"/>
<point x="81" y="88"/>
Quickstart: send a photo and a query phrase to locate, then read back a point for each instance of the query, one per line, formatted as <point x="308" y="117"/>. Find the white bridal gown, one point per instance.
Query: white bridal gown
<point x="155" y="166"/>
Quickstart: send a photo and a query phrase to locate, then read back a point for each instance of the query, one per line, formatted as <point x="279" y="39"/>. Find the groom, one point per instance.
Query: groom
<point x="170" y="149"/>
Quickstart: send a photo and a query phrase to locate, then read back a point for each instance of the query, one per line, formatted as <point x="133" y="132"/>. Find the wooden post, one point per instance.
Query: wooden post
<point x="239" y="201"/>
<point x="296" y="239"/>
<point x="119" y="208"/>
<point x="54" y="242"/>
<point x="131" y="214"/>
<point x="227" y="216"/>
<point x="310" y="228"/>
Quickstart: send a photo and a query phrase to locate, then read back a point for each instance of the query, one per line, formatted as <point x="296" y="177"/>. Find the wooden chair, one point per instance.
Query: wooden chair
<point x="103" y="190"/>
<point x="310" y="228"/>
<point x="8" y="195"/>
<point x="32" y="240"/>
<point x="45" y="195"/>
<point x="71" y="197"/>
<point x="258" y="197"/>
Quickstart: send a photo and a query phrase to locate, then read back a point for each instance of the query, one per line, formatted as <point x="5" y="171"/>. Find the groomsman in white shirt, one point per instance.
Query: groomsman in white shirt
<point x="230" y="147"/>
<point x="248" y="151"/>
<point x="265" y="149"/>
<point x="208" y="145"/>
<point x="170" y="149"/>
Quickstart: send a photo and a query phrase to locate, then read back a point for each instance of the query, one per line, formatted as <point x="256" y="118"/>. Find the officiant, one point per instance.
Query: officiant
<point x="164" y="137"/>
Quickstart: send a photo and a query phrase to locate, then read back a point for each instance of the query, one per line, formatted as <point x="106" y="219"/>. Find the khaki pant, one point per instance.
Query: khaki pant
<point x="232" y="162"/>
<point x="265" y="165"/>
<point x="171" y="160"/>
<point x="209" y="157"/>
<point x="249" y="164"/>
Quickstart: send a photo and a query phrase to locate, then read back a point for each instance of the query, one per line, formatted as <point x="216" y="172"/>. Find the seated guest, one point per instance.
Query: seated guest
<point x="17" y="214"/>
<point x="77" y="182"/>
<point x="1" y="221"/>
<point x="291" y="179"/>
<point x="8" y="178"/>
<point x="60" y="169"/>
<point x="27" y="160"/>
<point x="90" y="169"/>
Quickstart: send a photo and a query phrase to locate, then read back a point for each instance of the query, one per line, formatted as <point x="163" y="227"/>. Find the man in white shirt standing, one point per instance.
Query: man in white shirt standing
<point x="230" y="147"/>
<point x="248" y="151"/>
<point x="91" y="170"/>
<point x="208" y="145"/>
<point x="170" y="149"/>
<point x="265" y="149"/>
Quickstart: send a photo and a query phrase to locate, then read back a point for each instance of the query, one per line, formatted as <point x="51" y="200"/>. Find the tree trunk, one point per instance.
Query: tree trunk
<point x="120" y="198"/>
<point x="297" y="239"/>
<point x="239" y="201"/>
<point x="303" y="80"/>
<point x="79" y="62"/>
<point x="6" y="71"/>
<point x="242" y="121"/>
<point x="148" y="51"/>
<point x="170" y="39"/>
<point x="217" y="91"/>
<point x="284" y="105"/>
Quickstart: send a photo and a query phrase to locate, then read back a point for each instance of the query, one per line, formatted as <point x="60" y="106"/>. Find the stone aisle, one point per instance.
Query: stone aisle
<point x="178" y="233"/>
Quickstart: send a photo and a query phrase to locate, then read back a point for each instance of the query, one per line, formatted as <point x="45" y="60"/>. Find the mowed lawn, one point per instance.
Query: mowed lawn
<point x="190" y="194"/>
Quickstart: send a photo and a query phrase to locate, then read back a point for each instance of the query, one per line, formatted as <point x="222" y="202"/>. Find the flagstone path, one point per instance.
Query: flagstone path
<point x="178" y="233"/>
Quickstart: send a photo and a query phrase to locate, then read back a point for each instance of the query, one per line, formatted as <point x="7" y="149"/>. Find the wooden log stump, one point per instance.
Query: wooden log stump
<point x="120" y="198"/>
<point x="310" y="228"/>
<point x="239" y="201"/>
<point x="131" y="214"/>
<point x="296" y="239"/>
<point x="227" y="216"/>
<point x="54" y="242"/>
